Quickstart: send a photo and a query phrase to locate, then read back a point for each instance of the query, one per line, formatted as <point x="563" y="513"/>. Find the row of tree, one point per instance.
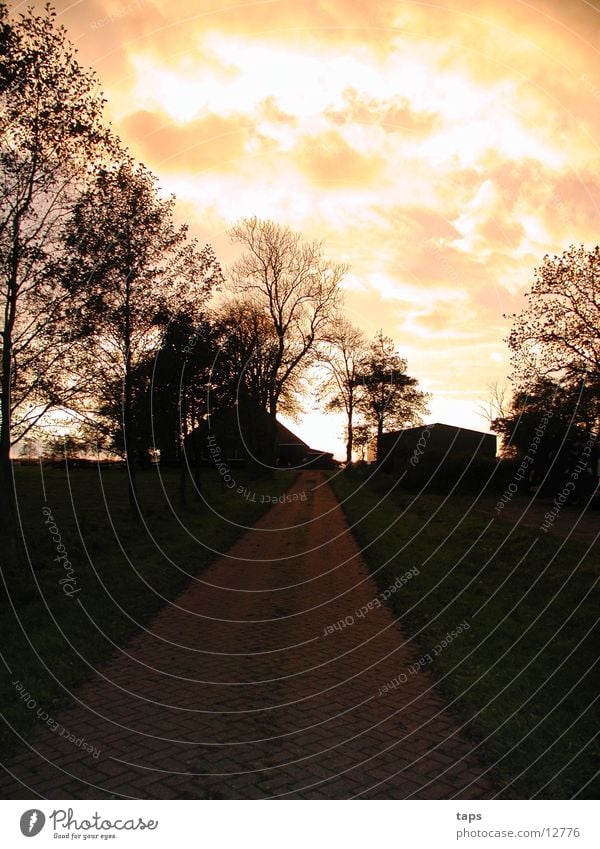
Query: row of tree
<point x="108" y="305"/>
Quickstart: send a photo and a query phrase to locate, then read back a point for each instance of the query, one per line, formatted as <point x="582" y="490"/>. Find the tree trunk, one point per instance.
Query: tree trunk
<point x="128" y="427"/>
<point x="379" y="435"/>
<point x="6" y="488"/>
<point x="8" y="518"/>
<point x="8" y="527"/>
<point x="129" y="440"/>
<point x="271" y="456"/>
<point x="197" y="475"/>
<point x="181" y="454"/>
<point x="350" y="436"/>
<point x="9" y="541"/>
<point x="190" y="458"/>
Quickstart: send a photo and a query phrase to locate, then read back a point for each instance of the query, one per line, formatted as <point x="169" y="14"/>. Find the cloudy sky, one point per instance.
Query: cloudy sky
<point x="441" y="149"/>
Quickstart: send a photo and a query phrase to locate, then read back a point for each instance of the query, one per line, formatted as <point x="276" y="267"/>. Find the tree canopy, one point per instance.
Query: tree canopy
<point x="555" y="345"/>
<point x="134" y="269"/>
<point x="345" y="356"/>
<point x="296" y="290"/>
<point x="390" y="398"/>
<point x="50" y="131"/>
<point x="553" y="410"/>
<point x="51" y="134"/>
<point x="558" y="333"/>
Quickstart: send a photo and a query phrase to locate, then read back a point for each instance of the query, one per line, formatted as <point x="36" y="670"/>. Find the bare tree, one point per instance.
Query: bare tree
<point x="291" y="282"/>
<point x="345" y="355"/>
<point x="497" y="404"/>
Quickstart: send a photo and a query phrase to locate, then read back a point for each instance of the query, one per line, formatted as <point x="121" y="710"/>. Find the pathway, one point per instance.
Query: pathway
<point x="237" y="690"/>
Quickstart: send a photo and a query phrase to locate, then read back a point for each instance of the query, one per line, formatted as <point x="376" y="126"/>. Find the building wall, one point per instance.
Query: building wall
<point x="397" y="448"/>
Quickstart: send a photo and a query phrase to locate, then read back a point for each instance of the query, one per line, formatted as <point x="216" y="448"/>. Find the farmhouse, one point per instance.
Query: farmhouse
<point x="226" y="437"/>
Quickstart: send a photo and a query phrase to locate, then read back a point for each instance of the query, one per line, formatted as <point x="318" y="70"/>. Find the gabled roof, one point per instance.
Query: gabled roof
<point x="226" y="423"/>
<point x="286" y="437"/>
<point x="438" y="426"/>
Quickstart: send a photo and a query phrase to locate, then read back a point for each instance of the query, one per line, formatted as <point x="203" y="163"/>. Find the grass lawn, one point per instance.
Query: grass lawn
<point x="116" y="573"/>
<point x="523" y="676"/>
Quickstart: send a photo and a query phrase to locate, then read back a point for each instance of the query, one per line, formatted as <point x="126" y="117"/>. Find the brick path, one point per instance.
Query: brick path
<point x="235" y="692"/>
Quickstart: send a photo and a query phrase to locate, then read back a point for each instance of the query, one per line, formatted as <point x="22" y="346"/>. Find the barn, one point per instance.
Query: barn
<point x="402" y="449"/>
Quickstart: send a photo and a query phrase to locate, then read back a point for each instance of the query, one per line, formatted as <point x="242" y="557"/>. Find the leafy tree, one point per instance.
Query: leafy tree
<point x="558" y="334"/>
<point x="390" y="399"/>
<point x="50" y="133"/>
<point x="62" y="448"/>
<point x="297" y="289"/>
<point x="552" y="410"/>
<point x="344" y="355"/>
<point x="361" y="439"/>
<point x="138" y="268"/>
<point x="176" y="391"/>
<point x="28" y="449"/>
<point x="180" y="381"/>
<point x="248" y="350"/>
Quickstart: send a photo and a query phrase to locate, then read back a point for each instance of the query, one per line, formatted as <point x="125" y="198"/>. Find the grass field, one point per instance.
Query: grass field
<point x="96" y="575"/>
<point x="523" y="675"/>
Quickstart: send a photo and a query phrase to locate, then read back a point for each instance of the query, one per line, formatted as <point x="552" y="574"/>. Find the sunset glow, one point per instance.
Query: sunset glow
<point x="441" y="150"/>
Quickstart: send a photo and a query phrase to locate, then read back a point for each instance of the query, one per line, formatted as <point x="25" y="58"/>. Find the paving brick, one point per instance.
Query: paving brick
<point x="307" y="720"/>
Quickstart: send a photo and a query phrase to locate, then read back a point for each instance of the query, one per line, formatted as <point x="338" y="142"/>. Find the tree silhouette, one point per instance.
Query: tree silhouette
<point x="554" y="411"/>
<point x="361" y="439"/>
<point x="296" y="288"/>
<point x="138" y="269"/>
<point x="50" y="132"/>
<point x="558" y="334"/>
<point x="390" y="398"/>
<point x="243" y="370"/>
<point x="345" y="356"/>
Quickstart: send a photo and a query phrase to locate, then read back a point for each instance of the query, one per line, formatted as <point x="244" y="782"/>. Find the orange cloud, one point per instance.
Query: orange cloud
<point x="505" y="232"/>
<point x="212" y="142"/>
<point x="441" y="149"/>
<point x="269" y="109"/>
<point x="328" y="158"/>
<point x="447" y="320"/>
<point x="393" y="115"/>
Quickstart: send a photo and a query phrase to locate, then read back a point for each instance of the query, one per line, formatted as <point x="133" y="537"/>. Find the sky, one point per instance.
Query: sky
<point x="440" y="149"/>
